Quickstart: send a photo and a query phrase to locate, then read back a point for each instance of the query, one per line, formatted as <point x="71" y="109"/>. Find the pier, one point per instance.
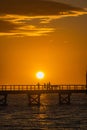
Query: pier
<point x="34" y="92"/>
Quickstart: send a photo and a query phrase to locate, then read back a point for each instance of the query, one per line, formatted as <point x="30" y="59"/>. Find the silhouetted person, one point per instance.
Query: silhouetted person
<point x="48" y="86"/>
<point x="38" y="85"/>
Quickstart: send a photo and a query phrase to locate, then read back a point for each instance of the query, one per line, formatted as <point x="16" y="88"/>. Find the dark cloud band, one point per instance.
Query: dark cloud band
<point x="20" y="17"/>
<point x="33" y="7"/>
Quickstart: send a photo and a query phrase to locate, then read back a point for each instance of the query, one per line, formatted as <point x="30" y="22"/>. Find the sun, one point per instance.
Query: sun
<point x="40" y="75"/>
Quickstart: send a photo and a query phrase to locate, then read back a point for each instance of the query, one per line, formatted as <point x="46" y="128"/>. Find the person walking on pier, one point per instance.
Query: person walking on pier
<point x="48" y="86"/>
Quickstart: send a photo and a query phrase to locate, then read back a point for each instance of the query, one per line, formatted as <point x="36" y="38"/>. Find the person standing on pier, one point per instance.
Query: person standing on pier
<point x="48" y="86"/>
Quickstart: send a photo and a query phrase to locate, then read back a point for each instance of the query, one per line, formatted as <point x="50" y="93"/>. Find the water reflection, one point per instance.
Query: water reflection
<point x="18" y="115"/>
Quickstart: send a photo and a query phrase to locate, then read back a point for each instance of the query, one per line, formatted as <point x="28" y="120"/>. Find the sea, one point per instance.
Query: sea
<point x="50" y="115"/>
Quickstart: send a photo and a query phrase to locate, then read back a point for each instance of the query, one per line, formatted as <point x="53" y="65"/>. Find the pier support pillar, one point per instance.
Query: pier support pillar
<point x="86" y="82"/>
<point x="3" y="100"/>
<point x="64" y="98"/>
<point x="34" y="99"/>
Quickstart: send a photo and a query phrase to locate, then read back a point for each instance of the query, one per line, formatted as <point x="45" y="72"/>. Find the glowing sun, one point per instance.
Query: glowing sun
<point x="40" y="75"/>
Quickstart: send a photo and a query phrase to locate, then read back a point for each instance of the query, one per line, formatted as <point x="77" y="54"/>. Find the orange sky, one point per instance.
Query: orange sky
<point x="55" y="44"/>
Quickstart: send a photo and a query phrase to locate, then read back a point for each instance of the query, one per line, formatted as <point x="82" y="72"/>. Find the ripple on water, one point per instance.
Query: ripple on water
<point x="19" y="116"/>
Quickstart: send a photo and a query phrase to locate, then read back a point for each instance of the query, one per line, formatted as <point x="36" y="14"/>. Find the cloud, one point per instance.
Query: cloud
<point x="24" y="30"/>
<point x="32" y="18"/>
<point x="34" y="7"/>
<point x="6" y="26"/>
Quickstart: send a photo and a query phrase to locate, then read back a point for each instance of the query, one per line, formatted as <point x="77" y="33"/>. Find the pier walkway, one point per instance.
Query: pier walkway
<point x="34" y="92"/>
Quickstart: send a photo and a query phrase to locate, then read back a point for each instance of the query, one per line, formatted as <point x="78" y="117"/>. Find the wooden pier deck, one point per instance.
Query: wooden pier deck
<point x="34" y="92"/>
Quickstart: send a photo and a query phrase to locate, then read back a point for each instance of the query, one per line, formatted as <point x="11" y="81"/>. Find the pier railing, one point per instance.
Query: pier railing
<point x="34" y="92"/>
<point x="42" y="87"/>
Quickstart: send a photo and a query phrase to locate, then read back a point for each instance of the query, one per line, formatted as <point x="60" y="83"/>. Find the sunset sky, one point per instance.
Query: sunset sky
<point x="43" y="35"/>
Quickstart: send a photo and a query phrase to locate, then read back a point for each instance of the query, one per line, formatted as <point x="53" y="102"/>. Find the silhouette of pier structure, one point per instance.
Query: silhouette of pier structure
<point x="34" y="92"/>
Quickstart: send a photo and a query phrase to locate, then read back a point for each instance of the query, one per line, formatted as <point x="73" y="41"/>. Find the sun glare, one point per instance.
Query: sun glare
<point x="40" y="75"/>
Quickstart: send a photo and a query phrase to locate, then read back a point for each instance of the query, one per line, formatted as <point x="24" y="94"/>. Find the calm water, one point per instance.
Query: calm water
<point x="50" y="115"/>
